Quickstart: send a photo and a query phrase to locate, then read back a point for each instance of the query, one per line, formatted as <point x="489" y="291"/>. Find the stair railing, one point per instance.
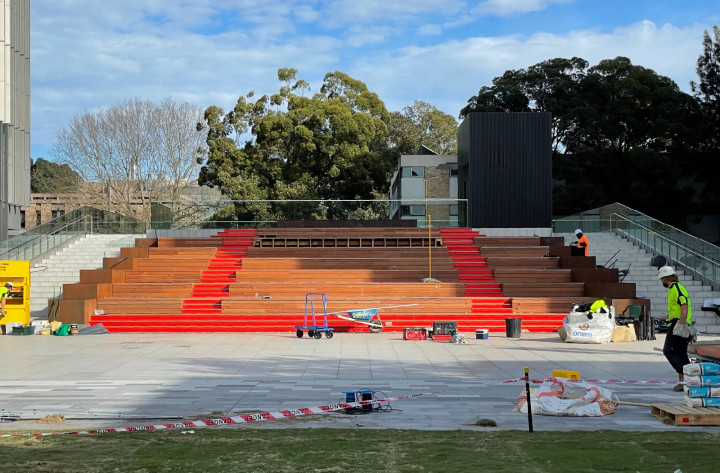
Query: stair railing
<point x="37" y="246"/>
<point x="675" y="248"/>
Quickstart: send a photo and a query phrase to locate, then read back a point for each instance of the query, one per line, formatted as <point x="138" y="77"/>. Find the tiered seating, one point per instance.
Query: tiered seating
<point x="257" y="280"/>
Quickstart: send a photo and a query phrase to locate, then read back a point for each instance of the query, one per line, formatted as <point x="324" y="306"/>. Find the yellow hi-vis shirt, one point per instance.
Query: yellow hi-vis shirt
<point x="678" y="296"/>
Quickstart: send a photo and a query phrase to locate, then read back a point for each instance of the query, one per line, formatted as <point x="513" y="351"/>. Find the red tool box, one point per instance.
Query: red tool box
<point x="414" y="333"/>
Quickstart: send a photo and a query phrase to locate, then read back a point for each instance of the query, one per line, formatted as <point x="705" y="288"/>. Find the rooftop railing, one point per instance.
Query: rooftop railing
<point x="267" y="213"/>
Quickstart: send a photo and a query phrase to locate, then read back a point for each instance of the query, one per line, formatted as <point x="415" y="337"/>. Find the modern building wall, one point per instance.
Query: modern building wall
<point x="505" y="169"/>
<point x="417" y="181"/>
<point x="14" y="113"/>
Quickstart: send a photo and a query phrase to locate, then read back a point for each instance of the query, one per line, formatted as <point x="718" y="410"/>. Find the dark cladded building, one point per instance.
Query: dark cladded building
<point x="505" y="169"/>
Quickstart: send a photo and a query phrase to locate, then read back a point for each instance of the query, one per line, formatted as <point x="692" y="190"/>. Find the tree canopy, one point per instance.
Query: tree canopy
<point x="620" y="132"/>
<point x="133" y="152"/>
<point x="707" y="92"/>
<point x="50" y="177"/>
<point x="422" y="124"/>
<point x="289" y="145"/>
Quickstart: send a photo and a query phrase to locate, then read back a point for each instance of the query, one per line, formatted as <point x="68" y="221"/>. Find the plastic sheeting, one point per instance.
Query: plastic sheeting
<point x="559" y="398"/>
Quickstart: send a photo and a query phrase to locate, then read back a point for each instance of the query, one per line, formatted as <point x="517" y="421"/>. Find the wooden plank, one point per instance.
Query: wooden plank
<point x="532" y="275"/>
<point x="508" y="251"/>
<point x="680" y="414"/>
<point x="507" y="262"/>
<point x="345" y="263"/>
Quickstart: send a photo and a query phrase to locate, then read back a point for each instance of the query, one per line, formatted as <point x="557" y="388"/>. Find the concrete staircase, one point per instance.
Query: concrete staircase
<point x="604" y="245"/>
<point x="48" y="276"/>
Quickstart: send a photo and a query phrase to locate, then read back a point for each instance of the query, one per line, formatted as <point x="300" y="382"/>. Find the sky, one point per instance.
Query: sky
<point x="90" y="54"/>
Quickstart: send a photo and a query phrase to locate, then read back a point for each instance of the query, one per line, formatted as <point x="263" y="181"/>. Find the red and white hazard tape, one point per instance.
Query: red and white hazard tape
<point x="595" y="381"/>
<point x="243" y="419"/>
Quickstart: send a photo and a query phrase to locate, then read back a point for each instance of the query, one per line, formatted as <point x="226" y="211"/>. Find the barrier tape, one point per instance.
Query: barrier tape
<point x="594" y="381"/>
<point x="246" y="418"/>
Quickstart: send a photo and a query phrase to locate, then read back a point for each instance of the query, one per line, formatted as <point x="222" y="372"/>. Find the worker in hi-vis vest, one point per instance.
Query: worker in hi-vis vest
<point x="4" y="291"/>
<point x="582" y="241"/>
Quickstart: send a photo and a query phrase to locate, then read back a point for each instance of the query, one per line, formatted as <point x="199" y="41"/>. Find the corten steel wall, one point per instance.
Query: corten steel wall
<point x="506" y="169"/>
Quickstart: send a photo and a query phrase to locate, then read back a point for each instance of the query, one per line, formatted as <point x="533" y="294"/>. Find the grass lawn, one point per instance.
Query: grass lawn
<point x="340" y="450"/>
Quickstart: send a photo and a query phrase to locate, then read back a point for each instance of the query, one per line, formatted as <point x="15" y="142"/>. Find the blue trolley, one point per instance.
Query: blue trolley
<point x="315" y="330"/>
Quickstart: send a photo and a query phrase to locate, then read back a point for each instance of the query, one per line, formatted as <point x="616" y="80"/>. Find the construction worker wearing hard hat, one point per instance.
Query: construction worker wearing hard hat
<point x="582" y="241"/>
<point x="3" y="296"/>
<point x="679" y="322"/>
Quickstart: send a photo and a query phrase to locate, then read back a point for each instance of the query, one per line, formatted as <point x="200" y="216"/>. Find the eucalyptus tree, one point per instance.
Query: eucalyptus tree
<point x="293" y="145"/>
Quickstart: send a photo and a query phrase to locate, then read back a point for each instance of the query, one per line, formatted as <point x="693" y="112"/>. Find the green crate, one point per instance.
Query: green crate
<point x="24" y="330"/>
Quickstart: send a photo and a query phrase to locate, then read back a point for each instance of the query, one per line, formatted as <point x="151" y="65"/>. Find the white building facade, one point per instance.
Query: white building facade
<point x="424" y="188"/>
<point x="14" y="113"/>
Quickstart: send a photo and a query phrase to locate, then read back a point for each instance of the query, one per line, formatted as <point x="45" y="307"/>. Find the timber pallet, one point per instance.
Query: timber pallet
<point x="680" y="414"/>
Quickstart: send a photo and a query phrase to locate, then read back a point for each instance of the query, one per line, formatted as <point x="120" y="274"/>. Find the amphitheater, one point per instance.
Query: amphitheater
<point x="202" y="324"/>
<point x="257" y="280"/>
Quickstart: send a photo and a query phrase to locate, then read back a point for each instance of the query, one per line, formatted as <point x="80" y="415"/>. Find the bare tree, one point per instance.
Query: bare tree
<point x="134" y="152"/>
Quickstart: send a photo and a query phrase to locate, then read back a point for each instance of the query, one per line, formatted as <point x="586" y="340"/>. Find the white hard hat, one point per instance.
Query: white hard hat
<point x="665" y="271"/>
<point x="578" y="231"/>
<point x="8" y="284"/>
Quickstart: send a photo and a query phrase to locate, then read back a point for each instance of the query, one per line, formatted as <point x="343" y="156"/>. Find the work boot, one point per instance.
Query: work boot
<point x="679" y="387"/>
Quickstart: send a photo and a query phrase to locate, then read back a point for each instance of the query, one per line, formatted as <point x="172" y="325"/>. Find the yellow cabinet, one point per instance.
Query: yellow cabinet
<point x="17" y="301"/>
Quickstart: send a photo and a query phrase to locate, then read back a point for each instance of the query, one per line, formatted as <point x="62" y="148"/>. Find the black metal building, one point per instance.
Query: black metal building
<point x="505" y="169"/>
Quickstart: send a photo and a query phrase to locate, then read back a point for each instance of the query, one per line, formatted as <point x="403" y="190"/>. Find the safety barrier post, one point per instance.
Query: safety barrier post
<point x="527" y="396"/>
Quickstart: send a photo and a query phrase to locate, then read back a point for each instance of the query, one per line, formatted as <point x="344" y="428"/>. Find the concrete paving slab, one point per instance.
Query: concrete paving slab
<point x="122" y="380"/>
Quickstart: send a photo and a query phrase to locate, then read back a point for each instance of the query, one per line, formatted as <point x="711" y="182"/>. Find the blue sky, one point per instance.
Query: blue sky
<point x="87" y="54"/>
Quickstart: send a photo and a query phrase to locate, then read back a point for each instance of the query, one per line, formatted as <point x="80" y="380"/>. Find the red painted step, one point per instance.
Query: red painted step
<point x="471" y="267"/>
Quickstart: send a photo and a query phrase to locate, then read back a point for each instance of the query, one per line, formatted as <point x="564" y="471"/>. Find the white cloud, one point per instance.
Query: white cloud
<point x="448" y="74"/>
<point x="430" y="30"/>
<point x="88" y="54"/>
<point x="513" y="7"/>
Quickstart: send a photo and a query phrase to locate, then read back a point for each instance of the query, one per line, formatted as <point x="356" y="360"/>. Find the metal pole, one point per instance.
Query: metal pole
<point x="527" y="396"/>
<point x="429" y="247"/>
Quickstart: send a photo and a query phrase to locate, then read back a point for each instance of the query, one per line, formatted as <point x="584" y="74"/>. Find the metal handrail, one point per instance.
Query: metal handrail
<point x="700" y="258"/>
<point x="55" y="232"/>
<point x="703" y="262"/>
<point x="670" y="240"/>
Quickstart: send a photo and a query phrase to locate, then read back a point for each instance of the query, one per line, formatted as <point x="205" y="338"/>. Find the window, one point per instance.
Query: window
<point x="497" y="158"/>
<point x="453" y="172"/>
<point x="413" y="171"/>
<point x="454" y="209"/>
<point x="413" y="210"/>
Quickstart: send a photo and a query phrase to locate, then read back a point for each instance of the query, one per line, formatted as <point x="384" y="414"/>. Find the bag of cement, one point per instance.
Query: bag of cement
<point x="556" y="398"/>
<point x="702" y="381"/>
<point x="702" y="401"/>
<point x="587" y="327"/>
<point x="701" y="369"/>
<point x="701" y="392"/>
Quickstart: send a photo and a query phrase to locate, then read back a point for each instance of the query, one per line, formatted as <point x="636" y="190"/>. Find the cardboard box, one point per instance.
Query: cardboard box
<point x="623" y="334"/>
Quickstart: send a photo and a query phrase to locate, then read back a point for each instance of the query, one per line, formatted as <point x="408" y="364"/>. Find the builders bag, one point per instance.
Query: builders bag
<point x="589" y="327"/>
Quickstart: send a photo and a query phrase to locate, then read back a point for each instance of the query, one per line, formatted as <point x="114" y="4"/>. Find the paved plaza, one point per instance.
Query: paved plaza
<point x="121" y="380"/>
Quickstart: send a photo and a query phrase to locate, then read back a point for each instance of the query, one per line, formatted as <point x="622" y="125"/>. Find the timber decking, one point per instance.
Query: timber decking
<point x="236" y="281"/>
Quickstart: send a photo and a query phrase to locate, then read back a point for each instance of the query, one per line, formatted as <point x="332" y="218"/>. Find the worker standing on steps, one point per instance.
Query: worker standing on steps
<point x="4" y="291"/>
<point x="582" y="242"/>
<point x="679" y="320"/>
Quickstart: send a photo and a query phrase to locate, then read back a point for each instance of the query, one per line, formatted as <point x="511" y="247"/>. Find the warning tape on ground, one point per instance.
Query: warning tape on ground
<point x="242" y="419"/>
<point x="595" y="381"/>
